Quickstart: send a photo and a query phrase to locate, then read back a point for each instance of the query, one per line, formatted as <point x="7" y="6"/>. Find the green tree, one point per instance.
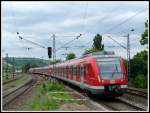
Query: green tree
<point x="139" y="70"/>
<point x="97" y="45"/>
<point x="139" y="64"/>
<point x="97" y="42"/>
<point x="144" y="36"/>
<point x="70" y="56"/>
<point x="26" y="67"/>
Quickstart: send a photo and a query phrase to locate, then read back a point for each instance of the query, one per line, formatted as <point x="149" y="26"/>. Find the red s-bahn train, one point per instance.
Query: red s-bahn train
<point x="99" y="73"/>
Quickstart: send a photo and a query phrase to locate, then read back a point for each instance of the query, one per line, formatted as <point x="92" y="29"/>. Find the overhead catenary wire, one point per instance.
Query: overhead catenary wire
<point x="103" y="18"/>
<point x="69" y="42"/>
<point x="117" y="42"/>
<point x="85" y="17"/>
<point x="31" y="41"/>
<point x="126" y="20"/>
<point x="121" y="23"/>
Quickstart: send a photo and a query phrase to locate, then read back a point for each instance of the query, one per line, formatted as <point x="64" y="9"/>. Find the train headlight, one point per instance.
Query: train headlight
<point x="124" y="86"/>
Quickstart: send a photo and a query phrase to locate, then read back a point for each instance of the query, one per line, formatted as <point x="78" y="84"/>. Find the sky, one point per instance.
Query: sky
<point x="38" y="21"/>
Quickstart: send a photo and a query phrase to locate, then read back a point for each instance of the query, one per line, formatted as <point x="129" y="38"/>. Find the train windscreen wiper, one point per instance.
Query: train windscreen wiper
<point x="115" y="70"/>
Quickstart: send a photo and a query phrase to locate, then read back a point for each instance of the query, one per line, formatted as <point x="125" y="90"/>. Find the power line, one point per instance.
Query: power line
<point x="69" y="42"/>
<point x="107" y="15"/>
<point x="117" y="42"/>
<point x="126" y="20"/>
<point x="31" y="41"/>
<point x="121" y="23"/>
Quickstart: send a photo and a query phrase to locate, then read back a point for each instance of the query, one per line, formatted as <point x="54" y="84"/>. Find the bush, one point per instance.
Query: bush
<point x="140" y="81"/>
<point x="52" y="86"/>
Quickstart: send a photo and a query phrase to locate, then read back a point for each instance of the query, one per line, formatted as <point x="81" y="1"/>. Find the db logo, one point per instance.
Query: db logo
<point x="112" y="81"/>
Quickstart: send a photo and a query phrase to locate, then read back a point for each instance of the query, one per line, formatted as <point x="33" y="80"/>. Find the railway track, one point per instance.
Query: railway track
<point x="137" y="92"/>
<point x="112" y="104"/>
<point x="12" y="80"/>
<point x="10" y="97"/>
<point x="117" y="104"/>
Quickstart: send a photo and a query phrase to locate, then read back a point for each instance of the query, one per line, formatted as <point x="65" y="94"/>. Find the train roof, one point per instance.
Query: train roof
<point x="88" y="57"/>
<point x="45" y="67"/>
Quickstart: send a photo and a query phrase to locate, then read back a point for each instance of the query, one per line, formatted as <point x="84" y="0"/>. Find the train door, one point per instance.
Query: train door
<point x="78" y="73"/>
<point x="82" y="75"/>
<point x="74" y="72"/>
<point x="69" y="72"/>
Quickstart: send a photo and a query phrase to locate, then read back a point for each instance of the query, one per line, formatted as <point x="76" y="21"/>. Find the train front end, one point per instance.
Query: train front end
<point x="112" y="75"/>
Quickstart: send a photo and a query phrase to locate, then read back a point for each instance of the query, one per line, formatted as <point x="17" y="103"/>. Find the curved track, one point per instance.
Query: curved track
<point x="7" y="99"/>
<point x="12" y="80"/>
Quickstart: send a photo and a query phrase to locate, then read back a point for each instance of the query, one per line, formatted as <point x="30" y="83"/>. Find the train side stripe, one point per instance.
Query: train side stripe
<point x="80" y="84"/>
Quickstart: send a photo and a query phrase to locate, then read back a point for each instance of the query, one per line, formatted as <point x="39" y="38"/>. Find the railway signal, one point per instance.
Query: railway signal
<point x="49" y="52"/>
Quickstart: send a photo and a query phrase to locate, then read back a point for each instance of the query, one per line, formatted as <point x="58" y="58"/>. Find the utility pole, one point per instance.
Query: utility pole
<point x="128" y="56"/>
<point x="13" y="67"/>
<point x="6" y="66"/>
<point x="54" y="52"/>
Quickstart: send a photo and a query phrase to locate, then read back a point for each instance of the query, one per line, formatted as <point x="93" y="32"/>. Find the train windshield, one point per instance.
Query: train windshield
<point x="110" y="69"/>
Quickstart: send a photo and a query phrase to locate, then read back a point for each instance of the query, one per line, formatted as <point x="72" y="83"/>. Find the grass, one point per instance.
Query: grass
<point x="43" y="100"/>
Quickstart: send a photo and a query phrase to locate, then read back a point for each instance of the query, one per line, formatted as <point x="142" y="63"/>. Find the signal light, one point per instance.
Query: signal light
<point x="49" y="52"/>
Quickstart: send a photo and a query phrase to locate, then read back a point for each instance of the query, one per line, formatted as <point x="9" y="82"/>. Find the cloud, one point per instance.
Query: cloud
<point x="37" y="21"/>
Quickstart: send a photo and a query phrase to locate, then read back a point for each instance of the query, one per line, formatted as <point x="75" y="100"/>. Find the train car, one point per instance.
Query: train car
<point x="99" y="73"/>
<point x="41" y="70"/>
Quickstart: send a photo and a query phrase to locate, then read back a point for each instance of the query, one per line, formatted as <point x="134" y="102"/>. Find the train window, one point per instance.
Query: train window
<point x="61" y="70"/>
<point x="74" y="70"/>
<point x="64" y="71"/>
<point x="78" y="70"/>
<point x="68" y="70"/>
<point x="81" y="71"/>
<point x="84" y="71"/>
<point x="110" y="69"/>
